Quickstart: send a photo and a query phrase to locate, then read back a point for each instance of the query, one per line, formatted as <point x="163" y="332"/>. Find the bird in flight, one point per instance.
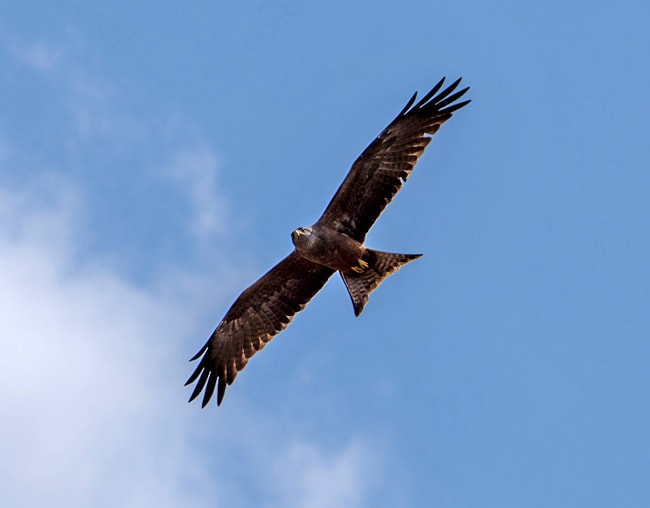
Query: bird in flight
<point x="335" y="243"/>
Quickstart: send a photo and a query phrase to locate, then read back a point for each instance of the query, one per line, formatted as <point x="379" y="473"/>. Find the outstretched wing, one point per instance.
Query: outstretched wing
<point x="379" y="172"/>
<point x="260" y="313"/>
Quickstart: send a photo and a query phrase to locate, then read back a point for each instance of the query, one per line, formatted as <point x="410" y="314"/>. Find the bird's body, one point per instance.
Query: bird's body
<point x="361" y="269"/>
<point x="334" y="243"/>
<point x="328" y="247"/>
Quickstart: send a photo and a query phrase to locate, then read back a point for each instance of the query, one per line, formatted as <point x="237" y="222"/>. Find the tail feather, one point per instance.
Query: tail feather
<point x="381" y="265"/>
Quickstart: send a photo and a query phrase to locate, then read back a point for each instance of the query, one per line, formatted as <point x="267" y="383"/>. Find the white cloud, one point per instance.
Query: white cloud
<point x="93" y="410"/>
<point x="92" y="364"/>
<point x="88" y="374"/>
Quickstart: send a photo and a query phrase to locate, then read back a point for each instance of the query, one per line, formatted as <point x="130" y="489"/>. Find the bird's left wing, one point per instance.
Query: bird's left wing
<point x="260" y="313"/>
<point x="379" y="172"/>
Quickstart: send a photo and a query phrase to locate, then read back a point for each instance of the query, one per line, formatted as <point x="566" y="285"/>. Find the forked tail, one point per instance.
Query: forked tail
<point x="380" y="265"/>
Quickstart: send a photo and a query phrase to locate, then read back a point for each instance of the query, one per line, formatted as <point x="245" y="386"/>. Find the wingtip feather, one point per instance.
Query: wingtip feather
<point x="456" y="107"/>
<point x="199" y="384"/>
<point x="209" y="389"/>
<point x="437" y="101"/>
<point x="408" y="104"/>
<point x="200" y="353"/>
<point x="448" y="90"/>
<point x="221" y="391"/>
<point x="445" y="102"/>
<point x="194" y="375"/>
<point x="431" y="93"/>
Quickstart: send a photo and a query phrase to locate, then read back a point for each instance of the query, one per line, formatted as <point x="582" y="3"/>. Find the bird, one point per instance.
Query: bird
<point x="334" y="243"/>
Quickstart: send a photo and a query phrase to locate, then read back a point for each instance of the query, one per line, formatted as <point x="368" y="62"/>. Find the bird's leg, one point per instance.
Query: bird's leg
<point x="360" y="267"/>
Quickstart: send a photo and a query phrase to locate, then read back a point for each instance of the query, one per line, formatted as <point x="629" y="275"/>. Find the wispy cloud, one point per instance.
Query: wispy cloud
<point x="35" y="54"/>
<point x="89" y="414"/>
<point x="313" y="478"/>
<point x="94" y="411"/>
<point x="95" y="108"/>
<point x="195" y="171"/>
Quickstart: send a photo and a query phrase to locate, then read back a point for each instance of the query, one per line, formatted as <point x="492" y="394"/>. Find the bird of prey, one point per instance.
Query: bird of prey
<point x="334" y="243"/>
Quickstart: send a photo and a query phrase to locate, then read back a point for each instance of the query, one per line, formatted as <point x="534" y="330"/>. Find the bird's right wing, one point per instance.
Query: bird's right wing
<point x="260" y="313"/>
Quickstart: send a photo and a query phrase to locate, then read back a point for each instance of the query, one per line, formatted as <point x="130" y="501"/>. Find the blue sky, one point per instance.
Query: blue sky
<point x="154" y="159"/>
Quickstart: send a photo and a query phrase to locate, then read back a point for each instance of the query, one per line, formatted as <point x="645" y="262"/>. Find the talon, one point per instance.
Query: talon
<point x="362" y="266"/>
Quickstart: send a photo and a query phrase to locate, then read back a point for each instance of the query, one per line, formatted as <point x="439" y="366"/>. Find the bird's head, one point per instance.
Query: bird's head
<point x="299" y="235"/>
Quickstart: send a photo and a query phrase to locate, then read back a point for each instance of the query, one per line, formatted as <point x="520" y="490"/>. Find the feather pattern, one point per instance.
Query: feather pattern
<point x="381" y="170"/>
<point x="260" y="313"/>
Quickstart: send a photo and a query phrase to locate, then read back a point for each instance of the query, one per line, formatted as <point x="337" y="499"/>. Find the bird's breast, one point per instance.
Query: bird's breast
<point x="330" y="248"/>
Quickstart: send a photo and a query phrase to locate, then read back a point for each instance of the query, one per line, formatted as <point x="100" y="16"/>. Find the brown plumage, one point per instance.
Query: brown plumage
<point x="333" y="243"/>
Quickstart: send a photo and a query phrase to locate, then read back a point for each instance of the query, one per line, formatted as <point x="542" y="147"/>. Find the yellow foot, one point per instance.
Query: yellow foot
<point x="361" y="267"/>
